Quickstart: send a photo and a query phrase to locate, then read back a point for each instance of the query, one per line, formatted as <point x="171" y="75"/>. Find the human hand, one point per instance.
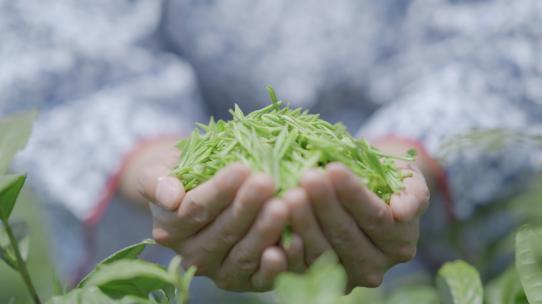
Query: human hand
<point x="333" y="211"/>
<point x="227" y="227"/>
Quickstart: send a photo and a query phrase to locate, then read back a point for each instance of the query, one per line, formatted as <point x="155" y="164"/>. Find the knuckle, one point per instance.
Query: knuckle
<point x="245" y="262"/>
<point x="195" y="212"/>
<point x="231" y="177"/>
<point x="404" y="253"/>
<point x="227" y="281"/>
<point x="241" y="209"/>
<point x="190" y="260"/>
<point x="262" y="183"/>
<point x="376" y="222"/>
<point x="228" y="238"/>
<point x="208" y="249"/>
<point x="261" y="228"/>
<point x="277" y="211"/>
<point x="373" y="280"/>
<point x="342" y="236"/>
<point x="202" y="265"/>
<point x="223" y="282"/>
<point x="162" y="237"/>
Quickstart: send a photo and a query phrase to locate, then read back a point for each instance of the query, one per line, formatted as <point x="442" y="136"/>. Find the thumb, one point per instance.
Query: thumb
<point x="413" y="200"/>
<point x="163" y="190"/>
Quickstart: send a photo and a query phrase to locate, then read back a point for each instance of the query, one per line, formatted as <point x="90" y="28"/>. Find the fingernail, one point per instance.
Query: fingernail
<point x="167" y="191"/>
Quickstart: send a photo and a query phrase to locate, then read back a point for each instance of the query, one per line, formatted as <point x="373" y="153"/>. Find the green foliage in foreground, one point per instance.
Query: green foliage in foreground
<point x="283" y="143"/>
<point x="457" y="282"/>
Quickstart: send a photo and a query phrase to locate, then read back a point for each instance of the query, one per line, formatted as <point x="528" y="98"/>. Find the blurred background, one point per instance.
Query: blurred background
<point x="460" y="79"/>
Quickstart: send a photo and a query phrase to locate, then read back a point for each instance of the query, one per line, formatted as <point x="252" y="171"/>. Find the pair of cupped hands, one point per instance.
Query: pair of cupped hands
<point x="230" y="226"/>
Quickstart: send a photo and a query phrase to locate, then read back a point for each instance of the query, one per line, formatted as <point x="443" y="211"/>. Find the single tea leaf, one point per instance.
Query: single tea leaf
<point x="528" y="263"/>
<point x="10" y="187"/>
<point x="14" y="133"/>
<point x="93" y="295"/>
<point x="420" y="294"/>
<point x="130" y="277"/>
<point x="325" y="282"/>
<point x="459" y="283"/>
<point x="363" y="295"/>
<point x="128" y="253"/>
<point x="506" y="289"/>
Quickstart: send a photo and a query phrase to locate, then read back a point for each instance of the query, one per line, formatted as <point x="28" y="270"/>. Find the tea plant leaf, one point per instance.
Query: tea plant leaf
<point x="7" y="254"/>
<point x="506" y="289"/>
<point x="128" y="253"/>
<point x="58" y="287"/>
<point x="10" y="187"/>
<point x="414" y="295"/>
<point x="14" y="133"/>
<point x="528" y="263"/>
<point x="363" y="295"/>
<point x="93" y="295"/>
<point x="323" y="283"/>
<point x="130" y="277"/>
<point x="181" y="293"/>
<point x="459" y="283"/>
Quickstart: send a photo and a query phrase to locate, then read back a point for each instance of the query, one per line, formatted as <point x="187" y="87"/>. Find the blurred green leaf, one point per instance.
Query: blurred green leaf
<point x="528" y="264"/>
<point x="130" y="277"/>
<point x="181" y="294"/>
<point x="506" y="289"/>
<point x="20" y="231"/>
<point x="459" y="283"/>
<point x="363" y="295"/>
<point x="414" y="295"/>
<point x="89" y="295"/>
<point x="10" y="187"/>
<point x="58" y="287"/>
<point x="490" y="140"/>
<point x="128" y="253"/>
<point x="323" y="283"/>
<point x="93" y="295"/>
<point x="14" y="133"/>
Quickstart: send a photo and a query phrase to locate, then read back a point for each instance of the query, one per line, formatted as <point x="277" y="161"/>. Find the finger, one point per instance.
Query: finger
<point x="294" y="255"/>
<point x="157" y="186"/>
<point x="370" y="212"/>
<point x="244" y="258"/>
<point x="204" y="203"/>
<point x="162" y="220"/>
<point x="374" y="216"/>
<point x="211" y="245"/>
<point x="357" y="253"/>
<point x="273" y="263"/>
<point x="305" y="225"/>
<point x="410" y="203"/>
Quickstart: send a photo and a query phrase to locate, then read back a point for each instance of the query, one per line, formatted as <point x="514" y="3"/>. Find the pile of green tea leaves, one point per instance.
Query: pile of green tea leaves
<point x="283" y="143"/>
